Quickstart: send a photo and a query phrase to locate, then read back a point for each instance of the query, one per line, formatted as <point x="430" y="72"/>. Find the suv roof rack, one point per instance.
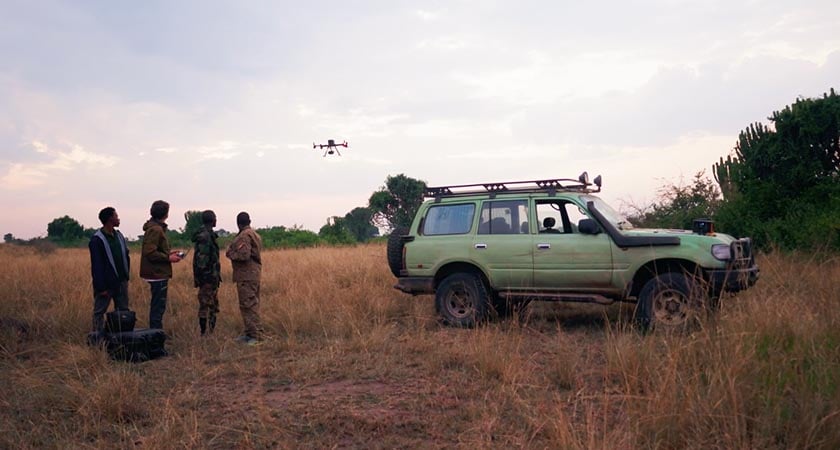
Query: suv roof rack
<point x="550" y="186"/>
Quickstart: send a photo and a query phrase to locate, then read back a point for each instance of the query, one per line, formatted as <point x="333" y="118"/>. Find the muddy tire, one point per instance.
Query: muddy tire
<point x="395" y="250"/>
<point x="462" y="300"/>
<point x="671" y="301"/>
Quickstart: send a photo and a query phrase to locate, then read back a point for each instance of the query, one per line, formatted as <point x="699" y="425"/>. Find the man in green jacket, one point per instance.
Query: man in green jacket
<point x="244" y="255"/>
<point x="156" y="261"/>
<point x="207" y="271"/>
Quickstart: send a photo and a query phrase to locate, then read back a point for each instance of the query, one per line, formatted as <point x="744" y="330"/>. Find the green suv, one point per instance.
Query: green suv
<point x="484" y="249"/>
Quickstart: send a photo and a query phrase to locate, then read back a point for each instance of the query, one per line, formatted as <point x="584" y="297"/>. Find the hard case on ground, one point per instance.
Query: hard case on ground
<point x="120" y="321"/>
<point x="139" y="345"/>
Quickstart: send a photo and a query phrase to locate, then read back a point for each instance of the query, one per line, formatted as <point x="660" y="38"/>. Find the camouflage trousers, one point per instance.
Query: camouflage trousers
<point x="208" y="301"/>
<point x="249" y="306"/>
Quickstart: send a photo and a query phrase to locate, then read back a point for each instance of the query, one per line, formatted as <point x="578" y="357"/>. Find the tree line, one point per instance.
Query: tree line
<point x="391" y="206"/>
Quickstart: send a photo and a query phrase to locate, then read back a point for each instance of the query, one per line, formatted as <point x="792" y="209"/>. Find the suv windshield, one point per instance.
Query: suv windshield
<point x="606" y="210"/>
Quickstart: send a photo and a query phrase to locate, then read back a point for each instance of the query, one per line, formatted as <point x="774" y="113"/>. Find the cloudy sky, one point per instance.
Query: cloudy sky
<point x="215" y="104"/>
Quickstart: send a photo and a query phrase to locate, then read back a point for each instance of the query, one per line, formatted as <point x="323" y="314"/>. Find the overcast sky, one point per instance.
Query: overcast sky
<point x="212" y="104"/>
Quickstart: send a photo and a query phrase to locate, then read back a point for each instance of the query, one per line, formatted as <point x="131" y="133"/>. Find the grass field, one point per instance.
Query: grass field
<point x="354" y="363"/>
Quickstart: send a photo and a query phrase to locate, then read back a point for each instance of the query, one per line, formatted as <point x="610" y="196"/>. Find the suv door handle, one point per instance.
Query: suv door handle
<point x="543" y="246"/>
<point x="480" y="246"/>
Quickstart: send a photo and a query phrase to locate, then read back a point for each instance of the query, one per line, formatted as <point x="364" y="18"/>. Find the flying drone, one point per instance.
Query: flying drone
<point x="331" y="147"/>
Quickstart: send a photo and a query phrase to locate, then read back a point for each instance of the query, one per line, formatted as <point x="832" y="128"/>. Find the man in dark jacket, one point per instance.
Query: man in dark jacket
<point x="109" y="267"/>
<point x="244" y="255"/>
<point x="207" y="271"/>
<point x="156" y="261"/>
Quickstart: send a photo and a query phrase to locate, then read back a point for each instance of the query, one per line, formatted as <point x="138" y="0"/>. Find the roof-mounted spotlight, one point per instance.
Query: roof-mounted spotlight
<point x="584" y="178"/>
<point x="598" y="181"/>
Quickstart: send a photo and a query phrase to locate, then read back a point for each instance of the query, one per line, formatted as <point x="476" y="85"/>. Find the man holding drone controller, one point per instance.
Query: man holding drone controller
<point x="156" y="261"/>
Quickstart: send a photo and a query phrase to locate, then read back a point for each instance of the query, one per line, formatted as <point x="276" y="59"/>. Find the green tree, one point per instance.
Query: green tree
<point x="336" y="232"/>
<point x="359" y="222"/>
<point x="678" y="205"/>
<point x="395" y="204"/>
<point x="8" y="238"/>
<point x="192" y="223"/>
<point x="782" y="184"/>
<point x="282" y="237"/>
<point x="65" y="229"/>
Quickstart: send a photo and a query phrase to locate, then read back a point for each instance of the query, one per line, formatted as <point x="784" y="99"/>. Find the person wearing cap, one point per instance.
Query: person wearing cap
<point x="109" y="267"/>
<point x="156" y="261"/>
<point x="207" y="272"/>
<point x="244" y="255"/>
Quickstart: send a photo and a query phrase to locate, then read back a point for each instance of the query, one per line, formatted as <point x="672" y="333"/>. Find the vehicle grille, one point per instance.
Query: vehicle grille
<point x="742" y="254"/>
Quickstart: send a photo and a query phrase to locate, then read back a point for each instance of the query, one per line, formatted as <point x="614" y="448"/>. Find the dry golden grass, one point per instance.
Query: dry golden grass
<point x="354" y="363"/>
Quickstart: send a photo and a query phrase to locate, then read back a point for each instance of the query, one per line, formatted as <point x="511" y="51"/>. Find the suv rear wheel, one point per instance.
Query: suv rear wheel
<point x="462" y="300"/>
<point x="669" y="301"/>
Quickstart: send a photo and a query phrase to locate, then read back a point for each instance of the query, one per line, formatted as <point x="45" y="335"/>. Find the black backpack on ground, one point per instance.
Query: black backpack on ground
<point x="120" y="321"/>
<point x="138" y="345"/>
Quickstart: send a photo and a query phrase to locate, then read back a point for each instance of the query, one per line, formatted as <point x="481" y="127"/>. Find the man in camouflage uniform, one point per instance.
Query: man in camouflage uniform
<point x="207" y="271"/>
<point x="244" y="255"/>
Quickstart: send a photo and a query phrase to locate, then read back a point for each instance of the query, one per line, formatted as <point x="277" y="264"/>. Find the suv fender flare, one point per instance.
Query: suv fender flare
<point x="451" y="267"/>
<point x="654" y="267"/>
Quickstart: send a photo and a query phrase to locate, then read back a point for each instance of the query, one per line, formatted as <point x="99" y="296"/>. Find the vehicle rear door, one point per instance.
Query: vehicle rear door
<point x="502" y="243"/>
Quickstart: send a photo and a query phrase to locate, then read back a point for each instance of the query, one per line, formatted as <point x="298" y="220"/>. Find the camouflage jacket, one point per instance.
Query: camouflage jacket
<point x="206" y="266"/>
<point x="244" y="255"/>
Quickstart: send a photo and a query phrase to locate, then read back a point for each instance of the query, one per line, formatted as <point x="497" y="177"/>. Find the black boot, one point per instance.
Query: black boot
<point x="203" y="324"/>
<point x="212" y="323"/>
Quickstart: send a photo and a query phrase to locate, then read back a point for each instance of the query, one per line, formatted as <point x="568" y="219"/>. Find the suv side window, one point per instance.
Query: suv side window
<point x="574" y="214"/>
<point x="448" y="219"/>
<point x="504" y="217"/>
<point x="558" y="216"/>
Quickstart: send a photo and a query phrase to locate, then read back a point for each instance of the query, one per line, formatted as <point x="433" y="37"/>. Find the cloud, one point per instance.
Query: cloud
<point x="223" y="150"/>
<point x="716" y="97"/>
<point x="166" y="150"/>
<point x="426" y="15"/>
<point x="21" y="176"/>
<point x="446" y="43"/>
<point x="39" y="147"/>
<point x="219" y="155"/>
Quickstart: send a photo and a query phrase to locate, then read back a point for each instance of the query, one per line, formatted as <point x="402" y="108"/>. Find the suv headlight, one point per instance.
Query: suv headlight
<point x="722" y="252"/>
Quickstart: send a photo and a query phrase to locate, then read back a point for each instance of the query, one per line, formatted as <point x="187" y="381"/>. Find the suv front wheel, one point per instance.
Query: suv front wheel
<point x="670" y="301"/>
<point x="462" y="300"/>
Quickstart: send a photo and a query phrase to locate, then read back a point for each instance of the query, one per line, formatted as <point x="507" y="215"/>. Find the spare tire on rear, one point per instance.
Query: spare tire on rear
<point x="395" y="249"/>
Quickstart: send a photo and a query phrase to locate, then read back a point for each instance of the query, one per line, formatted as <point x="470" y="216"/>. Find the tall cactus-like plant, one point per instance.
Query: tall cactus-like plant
<point x="723" y="171"/>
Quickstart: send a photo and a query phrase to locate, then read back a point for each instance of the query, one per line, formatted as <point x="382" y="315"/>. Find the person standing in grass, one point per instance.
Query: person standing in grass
<point x="207" y="271"/>
<point x="109" y="267"/>
<point x="244" y="254"/>
<point x="156" y="261"/>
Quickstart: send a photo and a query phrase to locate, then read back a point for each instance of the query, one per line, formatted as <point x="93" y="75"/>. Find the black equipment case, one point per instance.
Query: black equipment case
<point x="120" y="321"/>
<point x="138" y="345"/>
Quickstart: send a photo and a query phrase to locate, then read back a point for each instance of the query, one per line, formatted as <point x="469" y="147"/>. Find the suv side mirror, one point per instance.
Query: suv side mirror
<point x="588" y="226"/>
